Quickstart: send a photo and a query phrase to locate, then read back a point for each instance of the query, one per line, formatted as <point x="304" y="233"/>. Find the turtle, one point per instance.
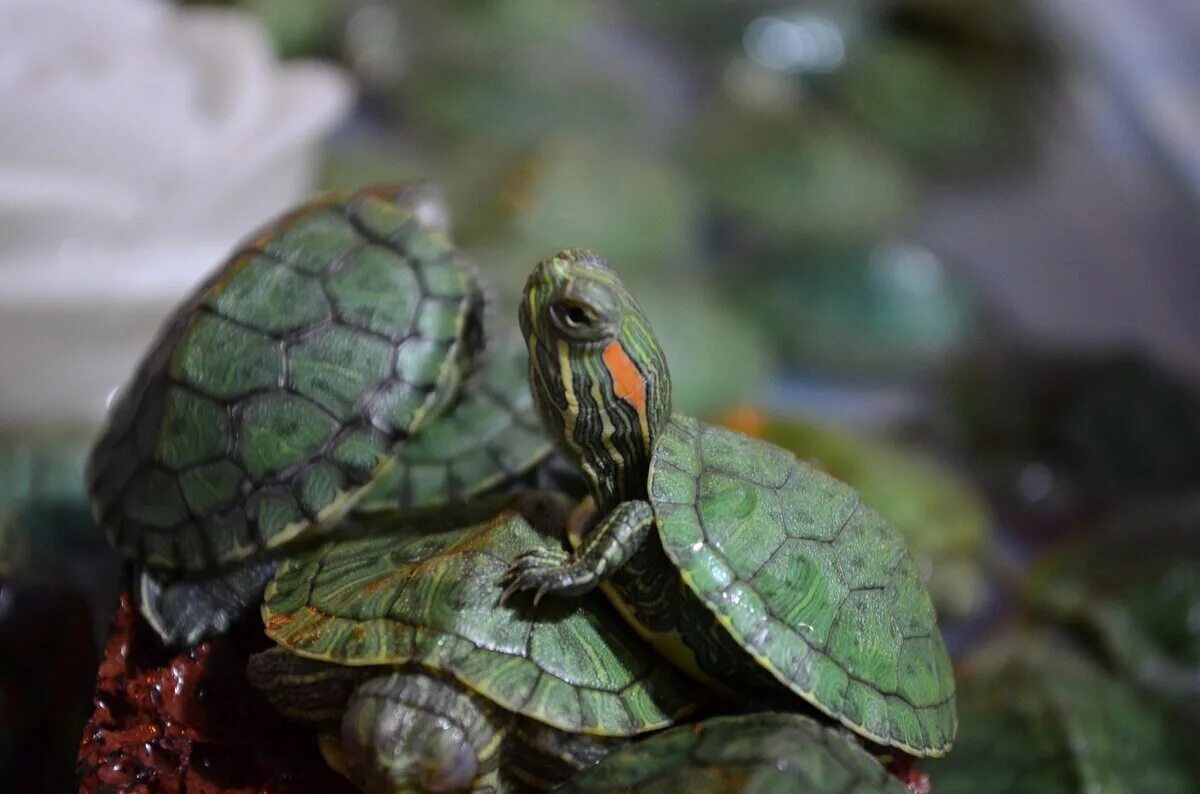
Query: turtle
<point x="1039" y="714"/>
<point x="403" y="640"/>
<point x="763" y="753"/>
<point x="283" y="389"/>
<point x="751" y="570"/>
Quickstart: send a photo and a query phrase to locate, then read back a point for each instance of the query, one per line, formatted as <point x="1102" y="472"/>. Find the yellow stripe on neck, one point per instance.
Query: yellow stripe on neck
<point x="571" y="414"/>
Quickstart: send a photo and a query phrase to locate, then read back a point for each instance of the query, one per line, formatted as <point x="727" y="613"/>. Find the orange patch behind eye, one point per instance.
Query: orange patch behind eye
<point x="628" y="383"/>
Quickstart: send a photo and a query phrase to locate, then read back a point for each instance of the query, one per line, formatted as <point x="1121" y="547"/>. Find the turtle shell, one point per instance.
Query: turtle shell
<point x="941" y="516"/>
<point x="489" y="436"/>
<point x="281" y="386"/>
<point x="433" y="600"/>
<point x="757" y="753"/>
<point x="1040" y="716"/>
<point x="816" y="586"/>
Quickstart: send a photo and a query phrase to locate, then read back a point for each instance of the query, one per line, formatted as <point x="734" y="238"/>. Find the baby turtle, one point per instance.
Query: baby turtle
<point x="746" y="567"/>
<point x="435" y="683"/>
<point x="283" y="388"/>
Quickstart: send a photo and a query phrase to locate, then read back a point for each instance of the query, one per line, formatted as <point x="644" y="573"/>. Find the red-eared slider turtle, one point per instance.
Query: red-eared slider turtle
<point x="768" y="753"/>
<point x="746" y="567"/>
<point x="283" y="388"/>
<point x="1040" y="716"/>
<point x="463" y="692"/>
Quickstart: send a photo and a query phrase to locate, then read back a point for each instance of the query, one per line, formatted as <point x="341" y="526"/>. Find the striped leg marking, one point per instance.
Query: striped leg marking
<point x="606" y="548"/>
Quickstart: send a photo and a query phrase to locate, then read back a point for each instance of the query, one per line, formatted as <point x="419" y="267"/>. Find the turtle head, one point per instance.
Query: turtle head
<point x="415" y="732"/>
<point x="597" y="372"/>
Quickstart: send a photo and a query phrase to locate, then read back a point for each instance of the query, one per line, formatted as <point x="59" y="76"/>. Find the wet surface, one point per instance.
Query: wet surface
<point x="189" y="722"/>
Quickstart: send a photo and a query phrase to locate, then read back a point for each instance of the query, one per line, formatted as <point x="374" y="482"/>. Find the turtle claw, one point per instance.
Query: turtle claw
<point x="546" y="571"/>
<point x="541" y="570"/>
<point x="509" y="592"/>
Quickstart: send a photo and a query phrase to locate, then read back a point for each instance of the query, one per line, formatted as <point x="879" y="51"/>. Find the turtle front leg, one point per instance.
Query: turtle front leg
<point x="186" y="611"/>
<point x="604" y="549"/>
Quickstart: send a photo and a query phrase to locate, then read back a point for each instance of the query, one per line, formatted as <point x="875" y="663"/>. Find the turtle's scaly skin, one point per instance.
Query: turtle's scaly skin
<point x="410" y="725"/>
<point x="740" y="563"/>
<point x="757" y="754"/>
<point x="432" y="601"/>
<point x="281" y="387"/>
<point x="488" y="437"/>
<point x="1040" y="717"/>
<point x="816" y="586"/>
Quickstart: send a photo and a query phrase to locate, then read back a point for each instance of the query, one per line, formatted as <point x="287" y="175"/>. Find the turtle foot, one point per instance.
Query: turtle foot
<point x="547" y="571"/>
<point x="185" y="611"/>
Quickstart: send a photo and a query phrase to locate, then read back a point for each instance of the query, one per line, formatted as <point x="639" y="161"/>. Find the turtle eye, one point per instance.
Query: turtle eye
<point x="576" y="320"/>
<point x="575" y="316"/>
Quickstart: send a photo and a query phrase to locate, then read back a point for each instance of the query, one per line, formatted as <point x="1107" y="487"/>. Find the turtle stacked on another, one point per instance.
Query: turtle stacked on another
<point x="291" y="382"/>
<point x="752" y="571"/>
<point x="398" y="650"/>
<point x="759" y="576"/>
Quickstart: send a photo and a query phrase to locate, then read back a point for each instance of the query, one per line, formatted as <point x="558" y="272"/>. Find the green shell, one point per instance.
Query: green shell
<point x="940" y="514"/>
<point x="815" y="585"/>
<point x="1040" y="717"/>
<point x="433" y="600"/>
<point x="491" y="435"/>
<point x="280" y="387"/>
<point x="1132" y="587"/>
<point x="755" y="754"/>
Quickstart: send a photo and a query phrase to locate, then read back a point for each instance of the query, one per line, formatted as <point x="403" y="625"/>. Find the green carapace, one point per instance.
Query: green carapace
<point x="400" y="645"/>
<point x="768" y="753"/>
<point x="285" y="387"/>
<point x="749" y="569"/>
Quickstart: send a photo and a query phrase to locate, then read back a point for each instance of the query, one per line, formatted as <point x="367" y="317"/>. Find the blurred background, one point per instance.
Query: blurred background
<point x="947" y="250"/>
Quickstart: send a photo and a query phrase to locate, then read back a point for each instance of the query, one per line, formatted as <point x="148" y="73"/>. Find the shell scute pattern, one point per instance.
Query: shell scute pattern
<point x="280" y="388"/>
<point x="812" y="583"/>
<point x="490" y="435"/>
<point x="222" y="360"/>
<point x="432" y="600"/>
<point x="265" y="295"/>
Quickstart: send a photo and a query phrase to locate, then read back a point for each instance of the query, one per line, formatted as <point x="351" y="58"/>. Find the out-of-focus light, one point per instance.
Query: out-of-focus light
<point x="803" y="43"/>
<point x="374" y="43"/>
<point x="755" y="87"/>
<point x="1035" y="482"/>
<point x="908" y="268"/>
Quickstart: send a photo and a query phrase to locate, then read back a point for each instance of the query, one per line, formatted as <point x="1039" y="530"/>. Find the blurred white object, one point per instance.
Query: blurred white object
<point x="139" y="142"/>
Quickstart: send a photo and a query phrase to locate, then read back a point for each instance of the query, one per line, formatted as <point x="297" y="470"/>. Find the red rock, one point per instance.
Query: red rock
<point x="904" y="768"/>
<point x="189" y="722"/>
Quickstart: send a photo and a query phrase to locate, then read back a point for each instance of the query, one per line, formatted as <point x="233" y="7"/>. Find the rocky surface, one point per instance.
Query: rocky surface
<point x="165" y="721"/>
